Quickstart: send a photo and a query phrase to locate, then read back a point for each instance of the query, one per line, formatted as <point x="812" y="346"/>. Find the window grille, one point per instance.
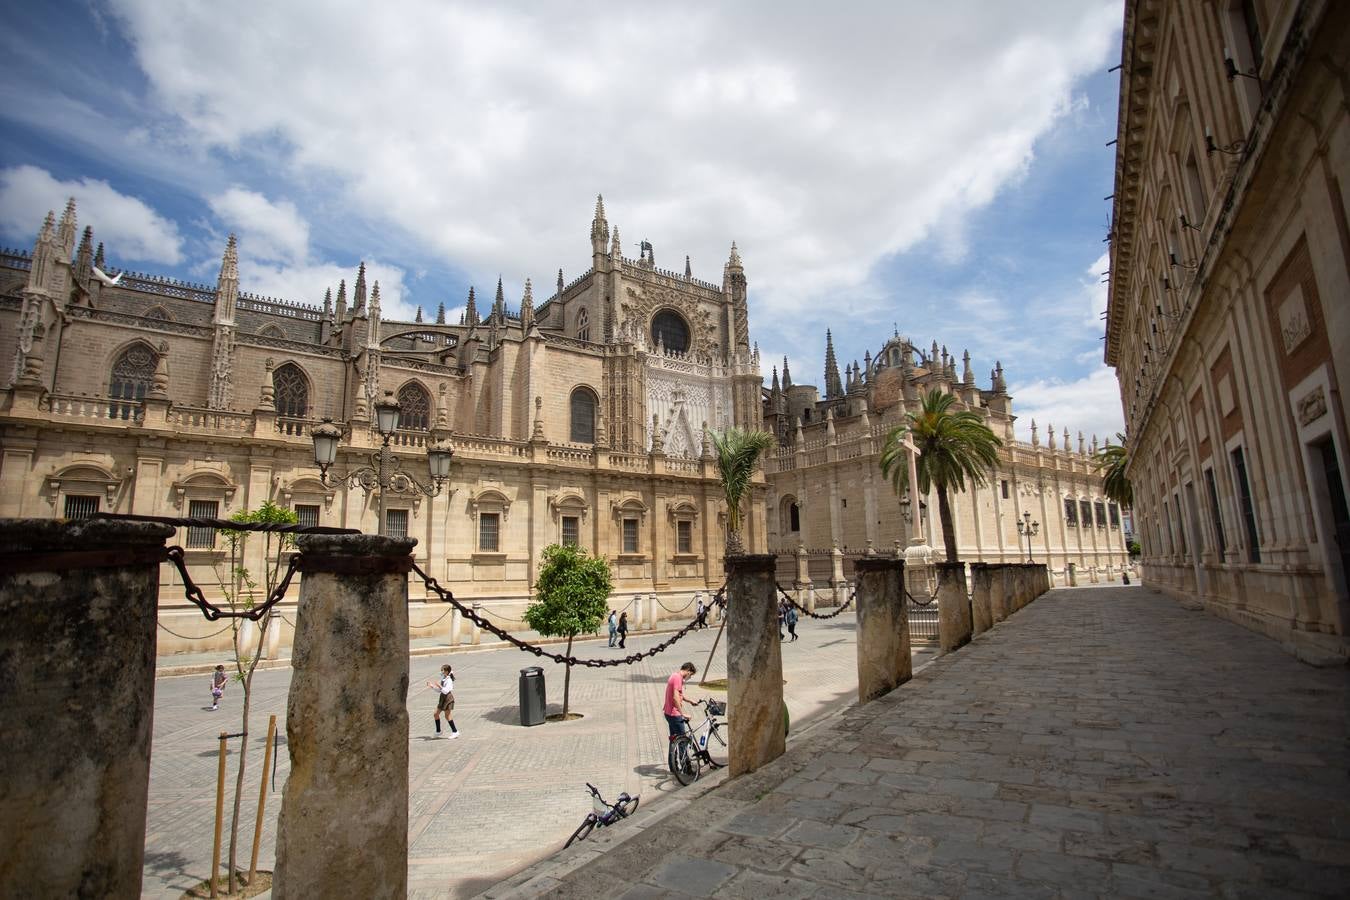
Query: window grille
<point x="571" y="531"/>
<point x="1085" y="512"/>
<point x="1100" y="509"/>
<point x="1005" y="489"/>
<point x="396" y="523"/>
<point x="1213" y="492"/>
<point x="1070" y="511"/>
<point x="307" y="515"/>
<point x="1244" y="490"/>
<point x="81" y="506"/>
<point x="630" y="535"/>
<point x="414" y="408"/>
<point x="669" y="330"/>
<point x="291" y="391"/>
<point x="684" y="537"/>
<point x="489" y="528"/>
<point x="202" y="538"/>
<point x="1115" y="517"/>
<point x="583" y="416"/>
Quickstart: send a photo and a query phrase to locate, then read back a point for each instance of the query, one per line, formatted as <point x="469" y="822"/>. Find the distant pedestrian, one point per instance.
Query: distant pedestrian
<point x="613" y="627"/>
<point x="701" y="614"/>
<point x="445" y="701"/>
<point x="623" y="629"/>
<point x="781" y="616"/>
<point x="218" y="680"/>
<point x="791" y="618"/>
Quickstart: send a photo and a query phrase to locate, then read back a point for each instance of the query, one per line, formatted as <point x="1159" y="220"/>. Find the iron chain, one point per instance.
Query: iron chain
<point x="802" y="609"/>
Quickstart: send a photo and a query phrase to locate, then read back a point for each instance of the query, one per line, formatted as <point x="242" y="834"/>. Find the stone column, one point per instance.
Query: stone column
<point x="456" y="624"/>
<point x="981" y="600"/>
<point x="1073" y="574"/>
<point x="954" y="617"/>
<point x="754" y="664"/>
<point x="998" y="592"/>
<point x="884" y="661"/>
<point x="343" y="827"/>
<point x="475" y="631"/>
<point x="837" y="575"/>
<point x="77" y="661"/>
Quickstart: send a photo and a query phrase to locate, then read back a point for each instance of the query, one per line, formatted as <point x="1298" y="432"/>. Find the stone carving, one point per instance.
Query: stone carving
<point x="638" y="309"/>
<point x="1294" y="324"/>
<point x="1312" y="406"/>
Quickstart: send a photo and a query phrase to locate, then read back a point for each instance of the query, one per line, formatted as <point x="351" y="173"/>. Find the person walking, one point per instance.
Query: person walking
<point x="445" y="701"/>
<point x="791" y="618"/>
<point x="623" y="628"/>
<point x="218" y="680"/>
<point x="613" y="626"/>
<point x="701" y="614"/>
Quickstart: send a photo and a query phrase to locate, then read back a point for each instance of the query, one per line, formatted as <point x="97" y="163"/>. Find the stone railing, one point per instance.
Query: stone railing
<point x="295" y="426"/>
<point x="190" y="418"/>
<point x="483" y="445"/>
<point x="401" y="438"/>
<point x="630" y="462"/>
<point x="677" y="465"/>
<point x="571" y="455"/>
<point x="72" y="406"/>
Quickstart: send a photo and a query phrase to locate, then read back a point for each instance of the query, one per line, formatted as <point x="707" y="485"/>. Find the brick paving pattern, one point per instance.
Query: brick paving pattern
<point x="1101" y="742"/>
<point x="497" y="799"/>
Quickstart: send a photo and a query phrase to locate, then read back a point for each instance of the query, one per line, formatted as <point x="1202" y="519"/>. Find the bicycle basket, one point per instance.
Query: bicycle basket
<point x="716" y="709"/>
<point x="599" y="805"/>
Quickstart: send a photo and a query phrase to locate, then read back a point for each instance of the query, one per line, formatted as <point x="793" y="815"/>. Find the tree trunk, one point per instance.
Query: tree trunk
<point x="567" y="678"/>
<point x="243" y="751"/>
<point x="948" y="528"/>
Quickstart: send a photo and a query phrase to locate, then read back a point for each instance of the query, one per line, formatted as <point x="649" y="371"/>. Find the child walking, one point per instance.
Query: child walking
<point x="445" y="703"/>
<point x="218" y="680"/>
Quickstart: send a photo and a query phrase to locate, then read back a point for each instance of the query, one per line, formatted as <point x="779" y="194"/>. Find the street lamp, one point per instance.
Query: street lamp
<point x="1028" y="529"/>
<point x="384" y="471"/>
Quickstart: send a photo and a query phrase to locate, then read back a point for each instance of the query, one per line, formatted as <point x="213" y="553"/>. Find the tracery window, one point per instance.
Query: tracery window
<point x="132" y="373"/>
<point x="583" y="325"/>
<point x="291" y="391"/>
<point x="582" y="416"/>
<point x="272" y="331"/>
<point x="669" y="330"/>
<point x="414" y="407"/>
<point x="159" y="314"/>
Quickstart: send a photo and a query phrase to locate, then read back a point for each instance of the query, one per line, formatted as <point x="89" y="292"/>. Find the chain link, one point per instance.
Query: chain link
<point x="802" y="609"/>
<point x="210" y="610"/>
<point x="485" y="624"/>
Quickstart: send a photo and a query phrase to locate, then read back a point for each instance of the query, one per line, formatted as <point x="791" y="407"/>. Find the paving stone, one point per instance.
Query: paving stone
<point x="754" y="823"/>
<point x="1066" y="818"/>
<point x="816" y="834"/>
<point x="696" y="877"/>
<point x="759" y="885"/>
<point x="1063" y="870"/>
<point x="964" y="855"/>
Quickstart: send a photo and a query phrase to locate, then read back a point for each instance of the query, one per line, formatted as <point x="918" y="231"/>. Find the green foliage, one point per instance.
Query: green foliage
<point x="954" y="446"/>
<point x="736" y="452"/>
<point x="1112" y="460"/>
<point x="572" y="592"/>
<point x="1134" y="549"/>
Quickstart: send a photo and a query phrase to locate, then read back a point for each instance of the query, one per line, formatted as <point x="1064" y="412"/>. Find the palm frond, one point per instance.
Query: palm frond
<point x="736" y="453"/>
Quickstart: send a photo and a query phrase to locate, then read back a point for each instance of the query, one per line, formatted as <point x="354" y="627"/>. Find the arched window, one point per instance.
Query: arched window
<point x="794" y="518"/>
<point x="583" y="325"/>
<point x="669" y="330"/>
<point x="159" y="314"/>
<point x="291" y="390"/>
<point x="414" y="407"/>
<point x="583" y="416"/>
<point x="272" y="331"/>
<point x="132" y="372"/>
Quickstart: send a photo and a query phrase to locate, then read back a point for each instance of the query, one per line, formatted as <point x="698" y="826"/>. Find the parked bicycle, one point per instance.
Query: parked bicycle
<point x="603" y="813"/>
<point x="704" y="746"/>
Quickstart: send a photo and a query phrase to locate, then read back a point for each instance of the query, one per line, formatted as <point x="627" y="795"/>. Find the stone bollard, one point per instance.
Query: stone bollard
<point x="954" y="616"/>
<point x="475" y="630"/>
<point x="981" y="600"/>
<point x="656" y="612"/>
<point x="343" y="827"/>
<point x="1092" y="574"/>
<point x="884" y="661"/>
<point x="456" y="625"/>
<point x="77" y="661"/>
<point x="754" y="664"/>
<point x="811" y="598"/>
<point x="1073" y="574"/>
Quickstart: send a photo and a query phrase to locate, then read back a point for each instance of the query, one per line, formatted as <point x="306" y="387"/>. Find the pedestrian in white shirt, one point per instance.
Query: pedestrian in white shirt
<point x="445" y="702"/>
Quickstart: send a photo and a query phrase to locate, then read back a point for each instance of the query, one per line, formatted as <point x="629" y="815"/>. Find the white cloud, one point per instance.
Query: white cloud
<point x="1090" y="404"/>
<point x="131" y="229"/>
<point x="271" y="231"/>
<point x="307" y="282"/>
<point x="825" y="143"/>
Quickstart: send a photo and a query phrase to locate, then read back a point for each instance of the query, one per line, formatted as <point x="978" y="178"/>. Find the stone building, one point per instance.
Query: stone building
<point x="1229" y="307"/>
<point x="580" y="419"/>
<point x="826" y="490"/>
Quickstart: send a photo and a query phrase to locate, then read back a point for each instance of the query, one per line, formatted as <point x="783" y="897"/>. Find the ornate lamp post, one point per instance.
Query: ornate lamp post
<point x="1028" y="529"/>
<point x="384" y="471"/>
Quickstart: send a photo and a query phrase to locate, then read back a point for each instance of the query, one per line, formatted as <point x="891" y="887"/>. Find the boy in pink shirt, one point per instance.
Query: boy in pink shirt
<point x="675" y="699"/>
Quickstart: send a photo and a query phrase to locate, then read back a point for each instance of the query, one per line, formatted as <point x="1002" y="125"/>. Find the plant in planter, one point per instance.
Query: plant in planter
<point x="572" y="592"/>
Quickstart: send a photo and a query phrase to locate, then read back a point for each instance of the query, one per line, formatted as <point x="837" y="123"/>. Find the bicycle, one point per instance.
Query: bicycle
<point x="603" y="813"/>
<point x="703" y="746"/>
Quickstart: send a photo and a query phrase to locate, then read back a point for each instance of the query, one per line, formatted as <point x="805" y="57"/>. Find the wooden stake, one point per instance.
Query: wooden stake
<point x="220" y="815"/>
<point x="707" y="667"/>
<point x="262" y="798"/>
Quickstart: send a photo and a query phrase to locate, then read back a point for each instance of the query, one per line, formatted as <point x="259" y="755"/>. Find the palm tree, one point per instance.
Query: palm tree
<point x="1111" y="461"/>
<point x="736" y="452"/>
<point x="953" y="446"/>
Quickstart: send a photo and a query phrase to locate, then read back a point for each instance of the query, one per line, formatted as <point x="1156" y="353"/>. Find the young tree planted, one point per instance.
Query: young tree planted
<point x="572" y="592"/>
<point x="736" y="453"/>
<point x="954" y="445"/>
<point x="242" y="590"/>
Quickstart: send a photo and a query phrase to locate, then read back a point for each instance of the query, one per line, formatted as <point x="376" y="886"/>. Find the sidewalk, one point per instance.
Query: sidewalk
<point x="1102" y="742"/>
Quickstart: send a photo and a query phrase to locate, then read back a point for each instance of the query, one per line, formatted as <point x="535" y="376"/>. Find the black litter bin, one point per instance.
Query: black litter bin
<point x="533" y="700"/>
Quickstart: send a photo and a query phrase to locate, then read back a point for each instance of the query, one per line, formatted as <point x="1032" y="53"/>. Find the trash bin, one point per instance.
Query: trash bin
<point x="533" y="699"/>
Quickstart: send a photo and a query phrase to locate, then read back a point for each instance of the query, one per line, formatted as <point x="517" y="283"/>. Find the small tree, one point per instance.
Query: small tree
<point x="736" y="452"/>
<point x="1111" y="461"/>
<point x="573" y="590"/>
<point x="240" y="590"/>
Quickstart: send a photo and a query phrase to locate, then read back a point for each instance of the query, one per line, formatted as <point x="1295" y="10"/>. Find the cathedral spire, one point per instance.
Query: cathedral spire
<point x="85" y="258"/>
<point x="527" y="307"/>
<point x="99" y="259"/>
<point x="688" y="272"/>
<point x="440" y="313"/>
<point x="787" y="376"/>
<point x="340" y="312"/>
<point x="471" y="310"/>
<point x="775" y="390"/>
<point x="616" y="248"/>
<point x="359" y="289"/>
<point x="967" y="373"/>
<point x="499" y="305"/>
<point x="66" y="234"/>
<point x="418" y="316"/>
<point x="328" y="304"/>
<point x="599" y="228"/>
<point x="227" y="285"/>
<point x="560" y="285"/>
<point x="833" y="386"/>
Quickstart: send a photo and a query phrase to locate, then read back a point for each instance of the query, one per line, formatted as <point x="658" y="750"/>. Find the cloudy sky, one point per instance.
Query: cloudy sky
<point x="936" y="168"/>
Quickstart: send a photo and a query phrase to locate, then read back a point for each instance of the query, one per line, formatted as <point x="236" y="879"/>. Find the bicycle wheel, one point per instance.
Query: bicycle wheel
<point x="582" y="831"/>
<point x="684" y="761"/>
<point x="717" y="746"/>
<point x="630" y="806"/>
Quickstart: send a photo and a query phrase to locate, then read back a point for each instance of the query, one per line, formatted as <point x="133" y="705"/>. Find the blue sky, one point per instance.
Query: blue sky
<point x="939" y="169"/>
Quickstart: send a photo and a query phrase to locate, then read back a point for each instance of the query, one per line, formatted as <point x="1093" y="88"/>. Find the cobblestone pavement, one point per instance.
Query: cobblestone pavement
<point x="1101" y="742"/>
<point x="491" y="802"/>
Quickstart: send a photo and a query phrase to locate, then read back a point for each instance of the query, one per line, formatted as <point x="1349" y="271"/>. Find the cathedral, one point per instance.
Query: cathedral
<point x="828" y="502"/>
<point x="583" y="418"/>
